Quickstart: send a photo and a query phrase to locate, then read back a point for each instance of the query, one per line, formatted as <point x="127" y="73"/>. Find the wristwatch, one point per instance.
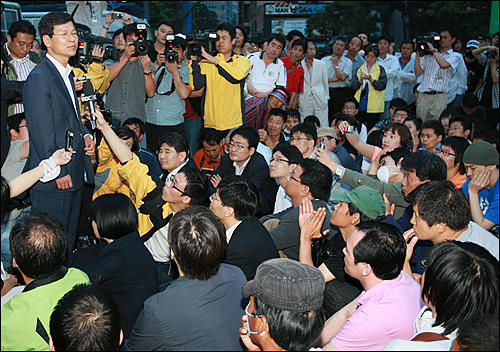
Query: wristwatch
<point x="339" y="171"/>
<point x="337" y="67"/>
<point x="148" y="73"/>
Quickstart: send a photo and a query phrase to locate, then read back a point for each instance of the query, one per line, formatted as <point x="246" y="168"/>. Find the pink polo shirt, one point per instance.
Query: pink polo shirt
<point x="385" y="312"/>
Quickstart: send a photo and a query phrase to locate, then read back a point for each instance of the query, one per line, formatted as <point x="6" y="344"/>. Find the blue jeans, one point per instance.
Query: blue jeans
<point x="5" y="244"/>
<point x="192" y="131"/>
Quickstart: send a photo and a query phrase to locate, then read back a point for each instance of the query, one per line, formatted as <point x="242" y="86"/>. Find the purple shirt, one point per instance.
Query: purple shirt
<point x="385" y="312"/>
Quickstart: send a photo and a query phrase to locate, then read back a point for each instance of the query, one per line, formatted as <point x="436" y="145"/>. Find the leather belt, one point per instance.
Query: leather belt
<point x="433" y="92"/>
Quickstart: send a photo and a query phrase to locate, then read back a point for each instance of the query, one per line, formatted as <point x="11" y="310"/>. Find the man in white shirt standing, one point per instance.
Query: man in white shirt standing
<point x="391" y="66"/>
<point x="437" y="68"/>
<point x="339" y="70"/>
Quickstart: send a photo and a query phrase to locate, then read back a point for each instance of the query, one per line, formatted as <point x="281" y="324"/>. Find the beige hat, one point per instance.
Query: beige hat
<point x="327" y="132"/>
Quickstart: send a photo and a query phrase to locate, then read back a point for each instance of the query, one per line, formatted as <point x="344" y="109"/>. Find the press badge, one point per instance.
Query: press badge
<point x="439" y="79"/>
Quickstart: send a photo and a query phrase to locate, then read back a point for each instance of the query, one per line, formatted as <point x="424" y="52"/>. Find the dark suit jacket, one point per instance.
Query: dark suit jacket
<point x="250" y="245"/>
<point x="125" y="270"/>
<point x="50" y="113"/>
<point x="257" y="171"/>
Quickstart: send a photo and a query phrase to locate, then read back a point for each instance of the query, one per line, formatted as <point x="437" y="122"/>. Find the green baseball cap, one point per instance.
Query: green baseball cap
<point x="365" y="198"/>
<point x="481" y="153"/>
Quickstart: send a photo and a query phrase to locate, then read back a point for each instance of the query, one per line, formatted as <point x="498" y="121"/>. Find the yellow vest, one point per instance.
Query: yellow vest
<point x="375" y="97"/>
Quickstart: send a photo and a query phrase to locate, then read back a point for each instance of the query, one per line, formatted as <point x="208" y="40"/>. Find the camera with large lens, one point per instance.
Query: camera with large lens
<point x="422" y="45"/>
<point x="205" y="40"/>
<point x="170" y="54"/>
<point x="141" y="44"/>
<point x="491" y="54"/>
<point x="86" y="44"/>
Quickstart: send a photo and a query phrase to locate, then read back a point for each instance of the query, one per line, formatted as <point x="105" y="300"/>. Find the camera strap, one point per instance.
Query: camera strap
<point x="159" y="79"/>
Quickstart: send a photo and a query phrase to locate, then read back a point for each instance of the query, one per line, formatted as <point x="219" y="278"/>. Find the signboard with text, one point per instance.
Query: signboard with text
<point x="287" y="9"/>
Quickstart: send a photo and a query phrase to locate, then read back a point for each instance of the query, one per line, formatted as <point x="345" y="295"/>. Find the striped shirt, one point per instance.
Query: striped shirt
<point x="495" y="102"/>
<point x="23" y="68"/>
<point x="434" y="77"/>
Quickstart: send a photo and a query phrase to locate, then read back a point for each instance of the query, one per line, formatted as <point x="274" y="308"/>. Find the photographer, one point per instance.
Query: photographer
<point x="437" y="67"/>
<point x="224" y="77"/>
<point x="488" y="93"/>
<point x="132" y="80"/>
<point x="165" y="111"/>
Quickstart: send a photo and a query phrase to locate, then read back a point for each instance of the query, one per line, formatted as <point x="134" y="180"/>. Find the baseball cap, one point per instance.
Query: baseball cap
<point x="365" y="198"/>
<point x="481" y="153"/>
<point x="287" y="285"/>
<point x="327" y="132"/>
<point x="472" y="44"/>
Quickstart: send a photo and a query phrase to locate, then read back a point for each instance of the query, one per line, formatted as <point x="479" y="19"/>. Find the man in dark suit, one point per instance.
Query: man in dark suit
<point x="243" y="160"/>
<point x="51" y="109"/>
<point x="248" y="243"/>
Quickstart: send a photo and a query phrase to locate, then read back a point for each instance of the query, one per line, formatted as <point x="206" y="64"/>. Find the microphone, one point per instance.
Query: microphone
<point x="89" y="97"/>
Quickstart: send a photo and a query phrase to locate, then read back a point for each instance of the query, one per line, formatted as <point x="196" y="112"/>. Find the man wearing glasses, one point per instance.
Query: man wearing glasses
<point x="51" y="109"/>
<point x="243" y="160"/>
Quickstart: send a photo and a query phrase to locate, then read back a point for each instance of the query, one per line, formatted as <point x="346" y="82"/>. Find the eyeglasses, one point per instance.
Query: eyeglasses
<point x="67" y="36"/>
<point x="293" y="139"/>
<point x="279" y="160"/>
<point x="21" y="126"/>
<point x="176" y="188"/>
<point x="250" y="332"/>
<point x="237" y="146"/>
<point x="293" y="178"/>
<point x="444" y="152"/>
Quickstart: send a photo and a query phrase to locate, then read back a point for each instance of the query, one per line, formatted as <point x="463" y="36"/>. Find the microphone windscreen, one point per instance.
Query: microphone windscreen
<point x="88" y="88"/>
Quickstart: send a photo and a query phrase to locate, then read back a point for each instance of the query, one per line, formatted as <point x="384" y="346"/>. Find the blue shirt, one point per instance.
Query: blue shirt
<point x="151" y="161"/>
<point x="488" y="200"/>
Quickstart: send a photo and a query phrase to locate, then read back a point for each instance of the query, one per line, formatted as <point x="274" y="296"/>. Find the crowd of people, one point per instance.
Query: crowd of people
<point x="238" y="194"/>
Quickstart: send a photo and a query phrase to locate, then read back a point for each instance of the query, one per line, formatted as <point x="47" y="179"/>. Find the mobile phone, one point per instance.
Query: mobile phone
<point x="117" y="16"/>
<point x="322" y="144"/>
<point x="83" y="78"/>
<point x="349" y="129"/>
<point x="68" y="141"/>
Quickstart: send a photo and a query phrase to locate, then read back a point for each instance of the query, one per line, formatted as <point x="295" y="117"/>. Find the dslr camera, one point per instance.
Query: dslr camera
<point x="87" y="42"/>
<point x="141" y="45"/>
<point x="491" y="54"/>
<point x="170" y="54"/>
<point x="205" y="40"/>
<point x="423" y="43"/>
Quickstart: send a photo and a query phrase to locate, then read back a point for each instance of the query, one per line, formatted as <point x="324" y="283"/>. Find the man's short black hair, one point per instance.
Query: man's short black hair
<point x="47" y="23"/>
<point x="470" y="101"/>
<point x="14" y="121"/>
<point x="307" y="128"/>
<point x="278" y="112"/>
<point x="352" y="100"/>
<point x="291" y="152"/>
<point x="317" y="177"/>
<point x="435" y="125"/>
<point x="166" y="23"/>
<point x="114" y="214"/>
<point x="21" y="26"/>
<point x="458" y="145"/>
<point x="293" y="113"/>
<point x="397" y="103"/>
<point x="196" y="187"/>
<point x="244" y="31"/>
<point x="294" y="33"/>
<point x="427" y="166"/>
<point x="38" y="244"/>
<point x="117" y="33"/>
<point x="277" y="37"/>
<point x="385" y="37"/>
<point x="383" y="247"/>
<point x="85" y="319"/>
<point x="408" y="41"/>
<point x="397" y="154"/>
<point x="451" y="30"/>
<point x="249" y="133"/>
<point x="210" y="136"/>
<point x="130" y="29"/>
<point x="471" y="273"/>
<point x="228" y="27"/>
<point x="465" y="121"/>
<point x="489" y="135"/>
<point x="176" y="140"/>
<point x="405" y="109"/>
<point x="299" y="42"/>
<point x="479" y="334"/>
<point x="292" y="331"/>
<point x="135" y="121"/>
<point x="198" y="241"/>
<point x="314" y="120"/>
<point x="241" y="195"/>
<point x="441" y="202"/>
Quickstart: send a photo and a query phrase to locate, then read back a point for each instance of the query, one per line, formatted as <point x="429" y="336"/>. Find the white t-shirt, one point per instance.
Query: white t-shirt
<point x="263" y="78"/>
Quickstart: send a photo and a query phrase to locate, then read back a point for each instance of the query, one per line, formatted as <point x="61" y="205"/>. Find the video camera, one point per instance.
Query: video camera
<point x="87" y="42"/>
<point x="423" y="43"/>
<point x="170" y="54"/>
<point x="141" y="45"/>
<point x="205" y="40"/>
